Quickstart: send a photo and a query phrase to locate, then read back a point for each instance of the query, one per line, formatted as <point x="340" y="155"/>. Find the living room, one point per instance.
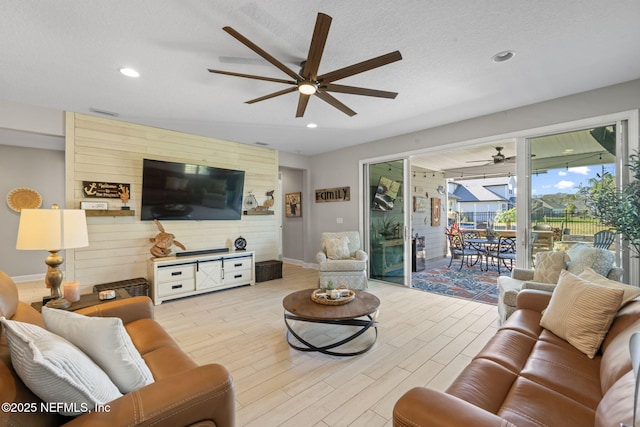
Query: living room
<point x="275" y="385"/>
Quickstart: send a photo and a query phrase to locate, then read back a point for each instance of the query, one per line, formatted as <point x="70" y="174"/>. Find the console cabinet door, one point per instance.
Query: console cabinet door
<point x="208" y="274"/>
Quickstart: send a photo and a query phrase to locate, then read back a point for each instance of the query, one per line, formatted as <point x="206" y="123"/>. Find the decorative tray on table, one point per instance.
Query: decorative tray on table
<point x="322" y="296"/>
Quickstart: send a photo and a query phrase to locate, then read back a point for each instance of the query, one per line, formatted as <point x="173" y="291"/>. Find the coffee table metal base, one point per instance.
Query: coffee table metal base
<point x="328" y="349"/>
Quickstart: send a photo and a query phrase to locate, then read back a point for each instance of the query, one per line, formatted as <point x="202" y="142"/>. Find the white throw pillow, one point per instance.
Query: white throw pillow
<point x="106" y="342"/>
<point x="57" y="371"/>
<point x="337" y="248"/>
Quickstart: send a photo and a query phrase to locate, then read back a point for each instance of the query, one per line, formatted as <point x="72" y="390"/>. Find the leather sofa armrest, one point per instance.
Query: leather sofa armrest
<point x="128" y="309"/>
<point x="361" y="255"/>
<point x="200" y="394"/>
<point x="425" y="407"/>
<point x="533" y="299"/>
<point x="321" y="257"/>
<point x="522" y="274"/>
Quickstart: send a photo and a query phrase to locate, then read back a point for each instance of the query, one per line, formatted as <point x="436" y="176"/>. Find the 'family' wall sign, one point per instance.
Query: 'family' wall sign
<point x="338" y="194"/>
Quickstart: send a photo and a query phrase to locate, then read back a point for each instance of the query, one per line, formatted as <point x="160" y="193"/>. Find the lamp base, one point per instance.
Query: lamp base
<point x="60" y="303"/>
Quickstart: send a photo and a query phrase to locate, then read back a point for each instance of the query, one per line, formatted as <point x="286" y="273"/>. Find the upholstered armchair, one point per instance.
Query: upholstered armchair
<point x="342" y="261"/>
<point x="544" y="277"/>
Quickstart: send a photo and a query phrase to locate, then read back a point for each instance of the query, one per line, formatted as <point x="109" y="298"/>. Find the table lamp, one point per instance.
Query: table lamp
<point x="53" y="230"/>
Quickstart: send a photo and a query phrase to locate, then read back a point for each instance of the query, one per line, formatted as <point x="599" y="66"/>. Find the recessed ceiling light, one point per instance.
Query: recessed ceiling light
<point x="312" y="125"/>
<point x="503" y="56"/>
<point x="129" y="72"/>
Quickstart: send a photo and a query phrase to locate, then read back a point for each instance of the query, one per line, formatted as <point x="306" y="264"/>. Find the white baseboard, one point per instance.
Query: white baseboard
<point x="300" y="263"/>
<point x="28" y="278"/>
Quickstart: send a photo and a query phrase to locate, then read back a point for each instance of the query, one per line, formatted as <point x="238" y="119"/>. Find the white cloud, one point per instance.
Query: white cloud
<point x="580" y="170"/>
<point x="563" y="185"/>
<point x="562" y="173"/>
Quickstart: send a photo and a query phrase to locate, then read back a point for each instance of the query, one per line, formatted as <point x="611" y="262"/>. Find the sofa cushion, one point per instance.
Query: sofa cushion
<point x="630" y="292"/>
<point x="600" y="260"/>
<point x="549" y="265"/>
<point x="106" y="342"/>
<point x="581" y="312"/>
<point x="337" y="248"/>
<point x="57" y="371"/>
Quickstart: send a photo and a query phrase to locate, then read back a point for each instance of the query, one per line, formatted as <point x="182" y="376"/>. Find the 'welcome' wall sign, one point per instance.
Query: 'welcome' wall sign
<point x="339" y="194"/>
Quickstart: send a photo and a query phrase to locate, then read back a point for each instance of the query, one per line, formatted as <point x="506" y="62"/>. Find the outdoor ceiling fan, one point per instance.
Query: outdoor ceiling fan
<point x="307" y="81"/>
<point x="497" y="158"/>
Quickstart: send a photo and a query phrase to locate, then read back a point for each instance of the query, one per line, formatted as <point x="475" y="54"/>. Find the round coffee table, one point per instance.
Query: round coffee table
<point x="361" y="312"/>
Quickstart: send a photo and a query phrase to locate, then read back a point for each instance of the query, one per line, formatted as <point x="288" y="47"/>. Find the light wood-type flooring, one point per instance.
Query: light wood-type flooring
<point x="423" y="340"/>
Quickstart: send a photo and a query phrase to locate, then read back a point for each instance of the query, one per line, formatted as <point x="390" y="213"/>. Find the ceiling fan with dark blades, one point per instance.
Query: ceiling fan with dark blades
<point x="497" y="158"/>
<point x="307" y="81"/>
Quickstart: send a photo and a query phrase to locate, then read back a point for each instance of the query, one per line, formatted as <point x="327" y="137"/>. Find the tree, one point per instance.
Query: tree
<point x="508" y="217"/>
<point x="618" y="209"/>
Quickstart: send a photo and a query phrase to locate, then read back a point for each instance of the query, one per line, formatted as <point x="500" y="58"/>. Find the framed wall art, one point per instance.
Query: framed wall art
<point x="435" y="211"/>
<point x="419" y="204"/>
<point x="293" y="205"/>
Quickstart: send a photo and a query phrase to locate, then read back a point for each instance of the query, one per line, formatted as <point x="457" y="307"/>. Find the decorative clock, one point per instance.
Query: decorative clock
<point x="240" y="244"/>
<point x="250" y="202"/>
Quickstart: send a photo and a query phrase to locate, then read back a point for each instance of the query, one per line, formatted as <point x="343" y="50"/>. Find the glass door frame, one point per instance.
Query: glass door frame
<point x="365" y="208"/>
<point x="627" y="141"/>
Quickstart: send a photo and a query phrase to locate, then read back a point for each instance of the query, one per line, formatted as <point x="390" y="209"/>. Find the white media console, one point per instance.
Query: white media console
<point x="177" y="277"/>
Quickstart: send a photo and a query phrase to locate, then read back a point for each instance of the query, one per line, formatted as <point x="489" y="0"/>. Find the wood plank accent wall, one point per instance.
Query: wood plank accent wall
<point x="100" y="149"/>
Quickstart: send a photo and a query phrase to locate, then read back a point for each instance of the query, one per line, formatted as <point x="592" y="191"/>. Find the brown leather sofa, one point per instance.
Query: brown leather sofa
<point x="183" y="394"/>
<point x="526" y="376"/>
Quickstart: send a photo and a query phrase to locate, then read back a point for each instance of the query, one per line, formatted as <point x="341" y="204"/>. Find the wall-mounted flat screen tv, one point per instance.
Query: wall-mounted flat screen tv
<point x="180" y="191"/>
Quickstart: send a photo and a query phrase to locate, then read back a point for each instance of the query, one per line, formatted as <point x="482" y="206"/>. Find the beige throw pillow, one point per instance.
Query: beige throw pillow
<point x="630" y="292"/>
<point x="549" y="265"/>
<point x="581" y="312"/>
<point x="337" y="248"/>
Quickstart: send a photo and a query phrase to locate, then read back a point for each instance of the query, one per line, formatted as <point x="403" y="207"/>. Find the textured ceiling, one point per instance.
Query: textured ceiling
<point x="66" y="54"/>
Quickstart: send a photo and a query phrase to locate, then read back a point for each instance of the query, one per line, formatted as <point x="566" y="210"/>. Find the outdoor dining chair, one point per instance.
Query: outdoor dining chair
<point x="504" y="251"/>
<point x="464" y="251"/>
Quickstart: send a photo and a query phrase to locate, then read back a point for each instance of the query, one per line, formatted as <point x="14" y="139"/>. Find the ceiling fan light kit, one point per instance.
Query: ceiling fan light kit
<point x="307" y="81"/>
<point x="307" y="87"/>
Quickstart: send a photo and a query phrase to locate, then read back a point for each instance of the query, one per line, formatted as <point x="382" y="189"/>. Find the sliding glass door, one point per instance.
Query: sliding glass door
<point x="386" y="220"/>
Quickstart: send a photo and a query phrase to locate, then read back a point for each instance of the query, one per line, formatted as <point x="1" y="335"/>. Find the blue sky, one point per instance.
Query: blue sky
<point x="566" y="180"/>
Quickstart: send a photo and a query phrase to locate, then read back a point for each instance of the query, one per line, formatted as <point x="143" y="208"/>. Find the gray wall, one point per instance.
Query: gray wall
<point x="41" y="170"/>
<point x="293" y="227"/>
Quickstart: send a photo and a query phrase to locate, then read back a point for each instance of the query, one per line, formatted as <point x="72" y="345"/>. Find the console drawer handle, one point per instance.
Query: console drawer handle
<point x="238" y="265"/>
<point x="176" y="286"/>
<point x="176" y="273"/>
<point x="237" y="276"/>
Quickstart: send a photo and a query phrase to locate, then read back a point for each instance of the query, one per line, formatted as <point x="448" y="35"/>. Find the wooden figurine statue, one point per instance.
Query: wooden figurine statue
<point x="163" y="242"/>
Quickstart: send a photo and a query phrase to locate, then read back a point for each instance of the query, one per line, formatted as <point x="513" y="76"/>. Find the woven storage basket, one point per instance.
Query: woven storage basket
<point x="268" y="270"/>
<point x="135" y="287"/>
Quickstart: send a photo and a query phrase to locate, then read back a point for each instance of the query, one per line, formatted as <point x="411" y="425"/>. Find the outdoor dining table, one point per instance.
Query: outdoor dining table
<point x="483" y="244"/>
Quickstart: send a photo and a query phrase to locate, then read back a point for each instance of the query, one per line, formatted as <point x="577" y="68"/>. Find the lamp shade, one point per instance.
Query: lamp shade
<point x="52" y="229"/>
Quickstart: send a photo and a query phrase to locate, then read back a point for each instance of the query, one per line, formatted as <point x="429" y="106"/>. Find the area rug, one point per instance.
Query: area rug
<point x="469" y="283"/>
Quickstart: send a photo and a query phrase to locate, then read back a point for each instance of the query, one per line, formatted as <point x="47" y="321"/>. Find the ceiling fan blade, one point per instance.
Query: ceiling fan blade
<point x="302" y="104"/>
<point x="254" y="47"/>
<point x="319" y="39"/>
<point x="332" y="87"/>
<point x="273" y="95"/>
<point x="360" y="67"/>
<point x="250" y="76"/>
<point x="334" y="102"/>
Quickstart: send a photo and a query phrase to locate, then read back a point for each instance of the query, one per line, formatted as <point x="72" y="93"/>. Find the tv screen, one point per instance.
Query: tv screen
<point x="180" y="191"/>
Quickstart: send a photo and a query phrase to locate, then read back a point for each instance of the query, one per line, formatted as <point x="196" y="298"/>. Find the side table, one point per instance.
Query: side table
<point x="87" y="300"/>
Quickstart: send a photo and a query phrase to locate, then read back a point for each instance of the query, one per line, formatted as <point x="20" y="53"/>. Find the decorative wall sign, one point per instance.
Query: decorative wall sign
<point x="338" y="194"/>
<point x="293" y="205"/>
<point x="105" y="190"/>
<point x="419" y="204"/>
<point x="435" y="211"/>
